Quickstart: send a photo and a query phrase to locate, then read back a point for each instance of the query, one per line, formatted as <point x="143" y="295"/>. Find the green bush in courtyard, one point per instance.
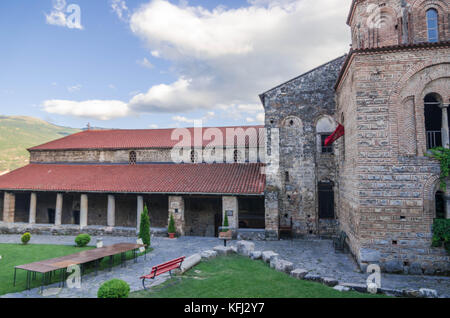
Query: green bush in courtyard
<point x="82" y="240"/>
<point x="171" y="228"/>
<point x="114" y="288"/>
<point x="225" y="224"/>
<point x="144" y="227"/>
<point x="26" y="237"/>
<point x="441" y="233"/>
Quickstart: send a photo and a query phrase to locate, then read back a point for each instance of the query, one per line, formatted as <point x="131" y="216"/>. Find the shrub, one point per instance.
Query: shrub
<point x="225" y="224"/>
<point x="114" y="288"/>
<point x="82" y="240"/>
<point x="441" y="233"/>
<point x="26" y="237"/>
<point x="144" y="227"/>
<point x="171" y="228"/>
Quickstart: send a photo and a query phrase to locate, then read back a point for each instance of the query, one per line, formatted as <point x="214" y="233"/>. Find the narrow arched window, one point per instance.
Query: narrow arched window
<point x="236" y="156"/>
<point x="132" y="158"/>
<point x="432" y="25"/>
<point x="193" y="156"/>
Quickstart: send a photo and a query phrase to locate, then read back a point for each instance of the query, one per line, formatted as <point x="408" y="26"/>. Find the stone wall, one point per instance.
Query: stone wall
<point x="383" y="187"/>
<point x="123" y="156"/>
<point x="295" y="108"/>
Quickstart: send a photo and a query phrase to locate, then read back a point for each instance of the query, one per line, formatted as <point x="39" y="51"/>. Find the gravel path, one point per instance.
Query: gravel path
<point x="318" y="256"/>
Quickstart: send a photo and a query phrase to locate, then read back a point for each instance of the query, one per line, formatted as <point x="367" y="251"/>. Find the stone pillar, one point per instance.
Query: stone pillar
<point x="83" y="210"/>
<point x="272" y="214"/>
<point x="444" y="129"/>
<point x="9" y="207"/>
<point x="140" y="209"/>
<point x="176" y="208"/>
<point x="111" y="211"/>
<point x="58" y="209"/>
<point x="447" y="200"/>
<point x="230" y="207"/>
<point x="33" y="203"/>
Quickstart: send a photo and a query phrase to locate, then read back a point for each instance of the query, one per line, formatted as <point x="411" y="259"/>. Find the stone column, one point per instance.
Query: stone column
<point x="272" y="214"/>
<point x="176" y="208"/>
<point x="230" y="207"/>
<point x="444" y="129"/>
<point x="111" y="211"/>
<point x="140" y="209"/>
<point x="9" y="207"/>
<point x="58" y="209"/>
<point x="447" y="200"/>
<point x="83" y="210"/>
<point x="33" y="203"/>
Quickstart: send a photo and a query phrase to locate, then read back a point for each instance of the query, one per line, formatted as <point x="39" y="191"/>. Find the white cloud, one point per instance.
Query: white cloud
<point x="121" y="9"/>
<point x="64" y="16"/>
<point x="154" y="126"/>
<point x="97" y="109"/>
<point x="229" y="56"/>
<point x="145" y="63"/>
<point x="176" y="97"/>
<point x="223" y="58"/>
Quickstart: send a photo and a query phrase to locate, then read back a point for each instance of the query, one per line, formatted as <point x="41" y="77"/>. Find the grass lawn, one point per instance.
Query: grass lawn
<point x="241" y="277"/>
<point x="18" y="254"/>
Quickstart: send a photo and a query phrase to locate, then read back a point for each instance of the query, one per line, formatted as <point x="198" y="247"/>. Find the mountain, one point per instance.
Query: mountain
<point x="17" y="133"/>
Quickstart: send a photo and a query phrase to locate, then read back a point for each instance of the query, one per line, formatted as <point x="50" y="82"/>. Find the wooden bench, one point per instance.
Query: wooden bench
<point x="163" y="268"/>
<point x="339" y="242"/>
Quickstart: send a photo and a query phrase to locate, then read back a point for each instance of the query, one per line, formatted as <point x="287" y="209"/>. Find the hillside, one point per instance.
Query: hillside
<point x="17" y="133"/>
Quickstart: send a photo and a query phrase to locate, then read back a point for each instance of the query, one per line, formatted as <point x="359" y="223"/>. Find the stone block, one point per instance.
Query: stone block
<point x="245" y="248"/>
<point x="330" y="281"/>
<point x="267" y="255"/>
<point x="299" y="273"/>
<point x="428" y="293"/>
<point x="341" y="288"/>
<point x="282" y="265"/>
<point x="208" y="254"/>
<point x="223" y="250"/>
<point x="313" y="277"/>
<point x="256" y="255"/>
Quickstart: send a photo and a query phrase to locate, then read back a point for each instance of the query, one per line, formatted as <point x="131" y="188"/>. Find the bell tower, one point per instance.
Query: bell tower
<point x="382" y="23"/>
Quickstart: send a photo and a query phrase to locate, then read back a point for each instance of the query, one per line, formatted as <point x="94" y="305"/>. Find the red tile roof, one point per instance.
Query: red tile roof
<point x="136" y="139"/>
<point x="145" y="178"/>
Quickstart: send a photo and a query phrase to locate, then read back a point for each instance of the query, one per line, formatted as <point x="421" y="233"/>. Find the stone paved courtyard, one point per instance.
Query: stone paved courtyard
<point x="318" y="256"/>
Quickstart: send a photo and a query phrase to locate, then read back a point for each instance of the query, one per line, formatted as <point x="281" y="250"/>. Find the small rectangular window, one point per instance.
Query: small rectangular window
<point x="325" y="149"/>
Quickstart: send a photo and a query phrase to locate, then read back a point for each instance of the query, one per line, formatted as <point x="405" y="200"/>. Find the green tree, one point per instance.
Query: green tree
<point x="144" y="227"/>
<point x="225" y="224"/>
<point x="171" y="228"/>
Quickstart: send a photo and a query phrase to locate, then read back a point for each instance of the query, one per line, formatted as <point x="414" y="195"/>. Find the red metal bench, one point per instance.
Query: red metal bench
<point x="163" y="268"/>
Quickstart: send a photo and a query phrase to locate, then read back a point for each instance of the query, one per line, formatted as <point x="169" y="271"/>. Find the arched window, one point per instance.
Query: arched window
<point x="324" y="128"/>
<point x="432" y="25"/>
<point x="236" y="156"/>
<point x="193" y="156"/>
<point x="132" y="158"/>
<point x="440" y="205"/>
<point x="433" y="120"/>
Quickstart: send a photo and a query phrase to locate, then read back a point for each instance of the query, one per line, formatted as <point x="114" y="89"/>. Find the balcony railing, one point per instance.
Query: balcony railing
<point x="434" y="139"/>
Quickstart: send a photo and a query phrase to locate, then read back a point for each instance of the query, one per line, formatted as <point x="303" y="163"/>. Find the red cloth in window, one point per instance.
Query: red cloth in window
<point x="338" y="133"/>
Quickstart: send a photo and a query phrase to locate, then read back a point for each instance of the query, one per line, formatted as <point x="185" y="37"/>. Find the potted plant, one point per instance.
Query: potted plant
<point x="171" y="229"/>
<point x="225" y="233"/>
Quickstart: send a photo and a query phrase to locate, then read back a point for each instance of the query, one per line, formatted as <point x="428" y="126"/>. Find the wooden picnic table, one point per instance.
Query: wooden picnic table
<point x="47" y="267"/>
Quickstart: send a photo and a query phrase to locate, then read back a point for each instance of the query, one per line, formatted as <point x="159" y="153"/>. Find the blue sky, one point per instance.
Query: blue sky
<point x="155" y="63"/>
